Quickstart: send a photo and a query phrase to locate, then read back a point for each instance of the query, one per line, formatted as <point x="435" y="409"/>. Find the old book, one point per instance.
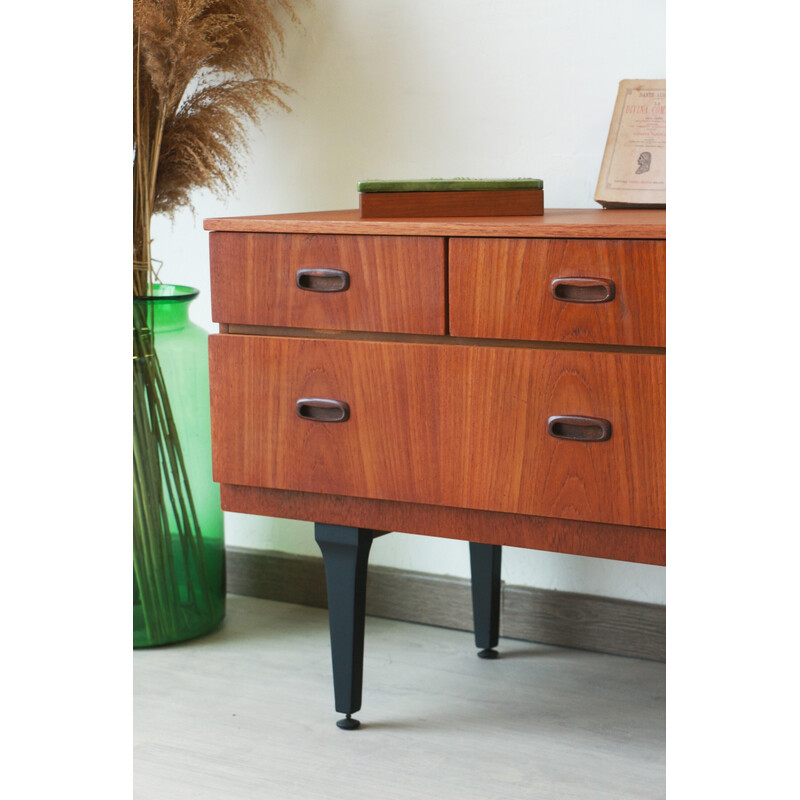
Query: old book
<point x="633" y="172"/>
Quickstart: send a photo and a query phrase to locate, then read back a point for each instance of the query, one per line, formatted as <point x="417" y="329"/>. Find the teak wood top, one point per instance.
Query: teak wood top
<point x="585" y="223"/>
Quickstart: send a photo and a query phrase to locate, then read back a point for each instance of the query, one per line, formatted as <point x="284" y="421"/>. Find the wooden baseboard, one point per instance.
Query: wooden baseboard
<point x="601" y="624"/>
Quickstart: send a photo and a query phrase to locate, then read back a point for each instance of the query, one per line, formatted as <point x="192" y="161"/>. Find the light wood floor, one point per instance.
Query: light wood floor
<point x="247" y="712"/>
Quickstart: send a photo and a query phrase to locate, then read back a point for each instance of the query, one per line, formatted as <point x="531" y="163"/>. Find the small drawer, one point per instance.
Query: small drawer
<point x="559" y="290"/>
<point x="394" y="284"/>
<point x="568" y="434"/>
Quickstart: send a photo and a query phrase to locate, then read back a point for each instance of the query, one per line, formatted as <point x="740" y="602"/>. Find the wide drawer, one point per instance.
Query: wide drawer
<point x="561" y="290"/>
<point x="443" y="424"/>
<point x="337" y="282"/>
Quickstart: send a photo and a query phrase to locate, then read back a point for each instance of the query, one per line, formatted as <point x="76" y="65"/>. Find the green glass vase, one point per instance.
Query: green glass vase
<point x="178" y="539"/>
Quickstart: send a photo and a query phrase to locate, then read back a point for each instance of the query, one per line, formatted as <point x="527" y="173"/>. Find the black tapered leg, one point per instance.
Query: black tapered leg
<point x="485" y="565"/>
<point x="344" y="553"/>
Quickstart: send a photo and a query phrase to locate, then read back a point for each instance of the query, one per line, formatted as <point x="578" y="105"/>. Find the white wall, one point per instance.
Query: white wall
<point x="436" y="88"/>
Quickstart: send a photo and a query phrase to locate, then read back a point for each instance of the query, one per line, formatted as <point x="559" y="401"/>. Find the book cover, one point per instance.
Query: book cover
<point x="633" y="171"/>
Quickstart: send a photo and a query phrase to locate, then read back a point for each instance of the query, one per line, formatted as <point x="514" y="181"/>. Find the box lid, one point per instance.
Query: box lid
<point x="449" y="185"/>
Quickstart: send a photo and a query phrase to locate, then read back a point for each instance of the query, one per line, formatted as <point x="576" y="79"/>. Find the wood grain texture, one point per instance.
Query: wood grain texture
<point x="495" y="203"/>
<point x="501" y="289"/>
<point x="618" y="542"/>
<point x="443" y="425"/>
<point x="397" y="284"/>
<point x="592" y="223"/>
<point x="568" y="619"/>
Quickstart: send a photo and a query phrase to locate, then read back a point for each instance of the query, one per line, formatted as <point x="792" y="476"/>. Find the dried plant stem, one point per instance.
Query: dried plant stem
<point x="146" y="156"/>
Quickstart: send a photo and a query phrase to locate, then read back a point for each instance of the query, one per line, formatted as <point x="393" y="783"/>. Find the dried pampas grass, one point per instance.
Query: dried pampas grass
<point x="223" y="53"/>
<point x="201" y="70"/>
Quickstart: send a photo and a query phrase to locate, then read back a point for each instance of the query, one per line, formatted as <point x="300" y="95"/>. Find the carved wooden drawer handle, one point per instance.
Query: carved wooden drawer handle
<point x="583" y="290"/>
<point x="321" y="409"/>
<point x="323" y="280"/>
<point x="579" y="429"/>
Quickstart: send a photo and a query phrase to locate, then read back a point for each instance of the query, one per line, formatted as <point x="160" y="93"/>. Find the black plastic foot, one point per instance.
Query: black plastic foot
<point x="488" y="653"/>
<point x="348" y="723"/>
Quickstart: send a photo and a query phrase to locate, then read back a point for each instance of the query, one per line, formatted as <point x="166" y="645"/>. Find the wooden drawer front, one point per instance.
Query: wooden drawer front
<point x="443" y="425"/>
<point x="502" y="289"/>
<point x="396" y="283"/>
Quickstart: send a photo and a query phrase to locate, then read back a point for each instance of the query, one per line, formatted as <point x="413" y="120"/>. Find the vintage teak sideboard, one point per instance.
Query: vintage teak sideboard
<point x="497" y="380"/>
